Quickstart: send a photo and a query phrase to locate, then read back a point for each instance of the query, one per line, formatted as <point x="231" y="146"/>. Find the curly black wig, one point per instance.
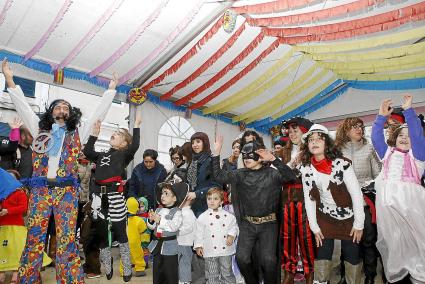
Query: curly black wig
<point x="72" y="122"/>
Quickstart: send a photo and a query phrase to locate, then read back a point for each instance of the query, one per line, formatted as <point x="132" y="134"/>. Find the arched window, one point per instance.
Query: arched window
<point x="175" y="131"/>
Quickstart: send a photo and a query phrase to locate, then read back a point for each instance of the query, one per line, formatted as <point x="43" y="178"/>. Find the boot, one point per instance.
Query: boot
<point x="52" y="250"/>
<point x="289" y="278"/>
<point x="322" y="271"/>
<point x="309" y="278"/>
<point x="106" y="259"/>
<point x="353" y="273"/>
<point x="369" y="280"/>
<point x="342" y="272"/>
<point x="126" y="261"/>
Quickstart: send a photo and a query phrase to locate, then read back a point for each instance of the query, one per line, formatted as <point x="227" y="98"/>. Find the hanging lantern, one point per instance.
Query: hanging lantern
<point x="188" y="113"/>
<point x="137" y="96"/>
<point x="242" y="126"/>
<point x="58" y="76"/>
<point x="229" y="21"/>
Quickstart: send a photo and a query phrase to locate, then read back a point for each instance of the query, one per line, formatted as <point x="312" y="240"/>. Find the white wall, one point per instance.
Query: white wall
<point x="153" y="117"/>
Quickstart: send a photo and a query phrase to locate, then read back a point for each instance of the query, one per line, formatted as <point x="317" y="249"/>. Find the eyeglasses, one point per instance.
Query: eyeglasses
<point x="175" y="158"/>
<point x="357" y="126"/>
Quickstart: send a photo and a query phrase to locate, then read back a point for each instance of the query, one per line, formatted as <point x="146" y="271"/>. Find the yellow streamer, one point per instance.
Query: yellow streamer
<point x="304" y="99"/>
<point x="385" y="77"/>
<point x="404" y="67"/>
<point x="270" y="103"/>
<point x="368" y="66"/>
<point x="364" y="43"/>
<point x="282" y="101"/>
<point x="418" y="48"/>
<point x="234" y="99"/>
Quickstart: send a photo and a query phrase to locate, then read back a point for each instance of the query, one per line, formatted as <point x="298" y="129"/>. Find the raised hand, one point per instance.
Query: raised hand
<point x="386" y="107"/>
<point x="265" y="155"/>
<point x="114" y="82"/>
<point x="407" y="102"/>
<point x="8" y="73"/>
<point x="96" y="128"/>
<point x="218" y="144"/>
<point x="15" y="123"/>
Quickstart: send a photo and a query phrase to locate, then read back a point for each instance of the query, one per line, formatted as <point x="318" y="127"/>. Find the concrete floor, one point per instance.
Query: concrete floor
<point x="48" y="276"/>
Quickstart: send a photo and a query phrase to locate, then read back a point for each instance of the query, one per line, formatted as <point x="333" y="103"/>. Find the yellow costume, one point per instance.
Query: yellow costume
<point x="135" y="229"/>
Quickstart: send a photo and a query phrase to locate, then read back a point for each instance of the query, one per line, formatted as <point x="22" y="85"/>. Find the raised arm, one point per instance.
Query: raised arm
<point x="100" y="112"/>
<point x="89" y="151"/>
<point x="220" y="175"/>
<point x="135" y="142"/>
<point x="21" y="104"/>
<point x="416" y="132"/>
<point x="378" y="138"/>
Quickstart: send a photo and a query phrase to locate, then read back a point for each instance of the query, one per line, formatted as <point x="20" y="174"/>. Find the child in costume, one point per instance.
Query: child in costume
<point x="185" y="241"/>
<point x="165" y="222"/>
<point x="136" y="227"/>
<point x="146" y="236"/>
<point x="334" y="204"/>
<point x="108" y="203"/>
<point x="216" y="230"/>
<point x="399" y="195"/>
<point x="13" y="233"/>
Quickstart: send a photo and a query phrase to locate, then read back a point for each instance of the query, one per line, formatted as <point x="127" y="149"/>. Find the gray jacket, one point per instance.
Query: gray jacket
<point x="366" y="164"/>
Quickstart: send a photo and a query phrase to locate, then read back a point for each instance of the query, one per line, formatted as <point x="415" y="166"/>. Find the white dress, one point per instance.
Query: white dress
<point x="400" y="210"/>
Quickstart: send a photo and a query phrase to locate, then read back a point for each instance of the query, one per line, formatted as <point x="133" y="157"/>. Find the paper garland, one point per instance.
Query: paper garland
<point x="50" y="30"/>
<point x="347" y="31"/>
<point x="304" y="99"/>
<point x="133" y="38"/>
<point x="385" y="77"/>
<point x="164" y="44"/>
<point x="272" y="7"/>
<point x="241" y="56"/>
<point x="417" y="48"/>
<point x="295" y="89"/>
<point x="91" y="33"/>
<point x="237" y="77"/>
<point x="235" y="98"/>
<point x="188" y="55"/>
<point x="312" y="16"/>
<point x="410" y="34"/>
<point x="6" y="8"/>
<point x="210" y="61"/>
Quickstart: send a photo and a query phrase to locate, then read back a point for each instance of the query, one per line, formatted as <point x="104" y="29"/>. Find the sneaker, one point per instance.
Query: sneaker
<point x="299" y="277"/>
<point x="139" y="273"/>
<point x="115" y="244"/>
<point x="92" y="275"/>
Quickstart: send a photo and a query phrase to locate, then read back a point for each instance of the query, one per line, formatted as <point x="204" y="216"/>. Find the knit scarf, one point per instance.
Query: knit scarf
<point x="192" y="171"/>
<point x="323" y="166"/>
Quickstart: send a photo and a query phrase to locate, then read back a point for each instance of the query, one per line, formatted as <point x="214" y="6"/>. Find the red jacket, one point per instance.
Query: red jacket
<point x="16" y="205"/>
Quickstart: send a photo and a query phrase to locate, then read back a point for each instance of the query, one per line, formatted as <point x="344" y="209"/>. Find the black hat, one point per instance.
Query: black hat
<point x="303" y="123"/>
<point x="180" y="190"/>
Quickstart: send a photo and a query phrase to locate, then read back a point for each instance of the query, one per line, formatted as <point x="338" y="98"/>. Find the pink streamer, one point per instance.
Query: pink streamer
<point x="140" y="30"/>
<point x="6" y="7"/>
<point x="91" y="33"/>
<point x="165" y="43"/>
<point x="52" y="27"/>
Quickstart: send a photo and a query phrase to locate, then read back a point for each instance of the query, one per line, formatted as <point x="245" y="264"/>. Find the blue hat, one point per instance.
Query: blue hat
<point x="8" y="184"/>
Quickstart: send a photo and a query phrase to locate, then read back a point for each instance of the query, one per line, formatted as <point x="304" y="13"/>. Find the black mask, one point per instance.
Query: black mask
<point x="248" y="151"/>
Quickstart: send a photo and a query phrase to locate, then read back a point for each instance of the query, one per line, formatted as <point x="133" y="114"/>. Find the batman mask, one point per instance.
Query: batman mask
<point x="248" y="151"/>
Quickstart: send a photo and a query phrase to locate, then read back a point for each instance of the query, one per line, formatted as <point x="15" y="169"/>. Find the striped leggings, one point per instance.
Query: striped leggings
<point x="296" y="234"/>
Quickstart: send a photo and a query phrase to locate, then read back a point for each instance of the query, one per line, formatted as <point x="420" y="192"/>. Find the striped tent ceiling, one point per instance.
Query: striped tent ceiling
<point x="283" y="57"/>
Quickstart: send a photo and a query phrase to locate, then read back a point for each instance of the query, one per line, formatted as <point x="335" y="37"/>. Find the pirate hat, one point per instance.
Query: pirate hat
<point x="303" y="123"/>
<point x="180" y="190"/>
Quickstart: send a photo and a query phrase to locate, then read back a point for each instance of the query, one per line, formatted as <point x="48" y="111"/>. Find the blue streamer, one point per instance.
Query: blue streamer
<point x="407" y="84"/>
<point x="103" y="83"/>
<point x="268" y="122"/>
